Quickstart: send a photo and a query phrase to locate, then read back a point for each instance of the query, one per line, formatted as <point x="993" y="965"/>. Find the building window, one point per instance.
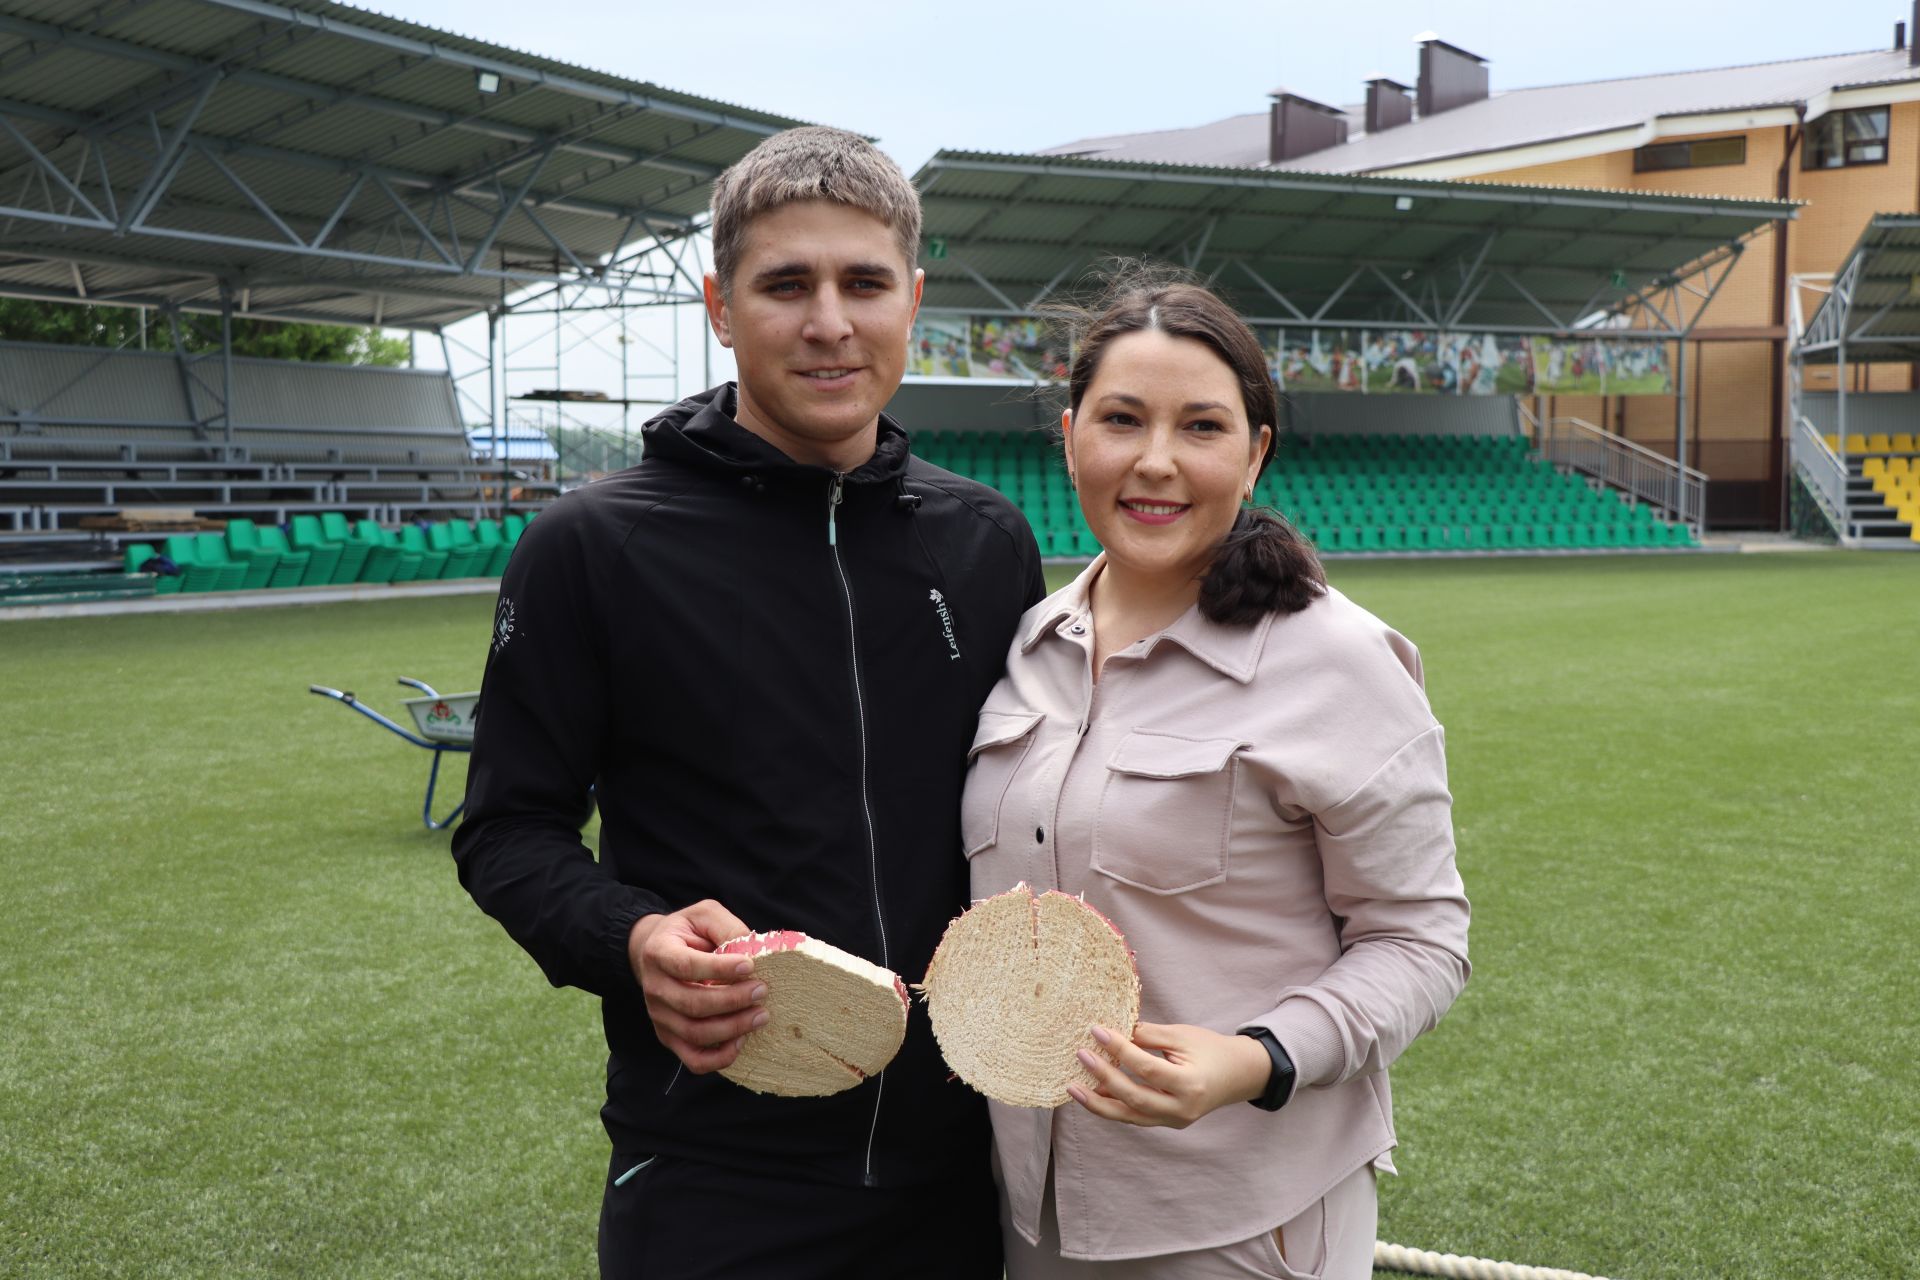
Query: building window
<point x="1842" y="138"/>
<point x="1703" y="154"/>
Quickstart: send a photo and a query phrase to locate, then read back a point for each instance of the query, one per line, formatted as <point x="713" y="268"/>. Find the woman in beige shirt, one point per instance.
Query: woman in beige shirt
<point x="1238" y="766"/>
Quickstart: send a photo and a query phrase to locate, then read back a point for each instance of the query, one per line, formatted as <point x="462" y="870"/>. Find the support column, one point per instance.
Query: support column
<point x="226" y="365"/>
<point x="493" y="403"/>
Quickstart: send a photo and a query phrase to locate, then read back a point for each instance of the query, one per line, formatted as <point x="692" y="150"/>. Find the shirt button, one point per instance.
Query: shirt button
<point x="1078" y="628"/>
<point x="1039" y="835"/>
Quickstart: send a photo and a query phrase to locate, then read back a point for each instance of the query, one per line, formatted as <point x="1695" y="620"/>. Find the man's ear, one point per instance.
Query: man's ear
<point x="716" y="310"/>
<point x="1066" y="440"/>
<point x="919" y="287"/>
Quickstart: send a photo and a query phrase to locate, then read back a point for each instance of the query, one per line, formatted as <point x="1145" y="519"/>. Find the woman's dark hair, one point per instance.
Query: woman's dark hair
<point x="1263" y="565"/>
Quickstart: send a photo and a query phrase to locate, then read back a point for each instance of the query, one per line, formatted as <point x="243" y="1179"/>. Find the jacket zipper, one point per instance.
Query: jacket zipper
<point x="866" y="807"/>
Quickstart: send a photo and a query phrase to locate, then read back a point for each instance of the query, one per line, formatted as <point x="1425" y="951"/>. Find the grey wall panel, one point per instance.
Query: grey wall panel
<point x="985" y="406"/>
<point x="90" y="382"/>
<point x="285" y="394"/>
<point x="1348" y="413"/>
<point x="1867" y="411"/>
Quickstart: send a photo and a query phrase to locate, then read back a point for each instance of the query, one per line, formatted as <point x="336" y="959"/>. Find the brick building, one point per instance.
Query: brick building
<point x="1840" y="134"/>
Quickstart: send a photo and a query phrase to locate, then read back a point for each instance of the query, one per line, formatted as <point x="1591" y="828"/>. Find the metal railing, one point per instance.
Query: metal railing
<point x="1649" y="477"/>
<point x="1824" y="473"/>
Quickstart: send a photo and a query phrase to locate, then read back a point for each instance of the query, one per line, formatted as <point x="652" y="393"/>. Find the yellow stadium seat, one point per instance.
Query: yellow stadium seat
<point x="1879" y="442"/>
<point x="1903" y="443"/>
<point x="1897" y="466"/>
<point x="1833" y="443"/>
<point x="1882" y="483"/>
<point x="1909" y="512"/>
<point x="1874" y="467"/>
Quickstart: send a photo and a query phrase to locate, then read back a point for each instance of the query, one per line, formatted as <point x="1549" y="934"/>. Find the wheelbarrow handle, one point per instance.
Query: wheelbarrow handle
<point x="421" y="685"/>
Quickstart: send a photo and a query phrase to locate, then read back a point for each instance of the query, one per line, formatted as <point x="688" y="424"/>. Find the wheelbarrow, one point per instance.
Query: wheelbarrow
<point x="444" y="722"/>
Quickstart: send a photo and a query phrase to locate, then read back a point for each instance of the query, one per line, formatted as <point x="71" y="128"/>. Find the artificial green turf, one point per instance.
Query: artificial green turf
<point x="250" y="1025"/>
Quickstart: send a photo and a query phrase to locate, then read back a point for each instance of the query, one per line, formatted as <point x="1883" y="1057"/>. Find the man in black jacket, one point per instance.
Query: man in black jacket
<point x="761" y="651"/>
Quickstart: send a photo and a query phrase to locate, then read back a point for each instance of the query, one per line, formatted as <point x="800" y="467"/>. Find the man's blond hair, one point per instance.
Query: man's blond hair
<point x="813" y="163"/>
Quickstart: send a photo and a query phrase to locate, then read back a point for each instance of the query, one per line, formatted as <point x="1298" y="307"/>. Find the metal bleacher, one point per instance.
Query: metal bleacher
<point x="89" y="432"/>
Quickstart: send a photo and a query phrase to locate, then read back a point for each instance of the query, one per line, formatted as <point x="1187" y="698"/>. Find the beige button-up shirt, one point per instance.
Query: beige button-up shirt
<point x="1263" y="811"/>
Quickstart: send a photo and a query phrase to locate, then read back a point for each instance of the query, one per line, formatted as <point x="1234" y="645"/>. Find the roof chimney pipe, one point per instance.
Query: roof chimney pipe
<point x="1300" y="126"/>
<point x="1451" y="77"/>
<point x="1913" y="49"/>
<point x="1899" y="36"/>
<point x="1387" y="104"/>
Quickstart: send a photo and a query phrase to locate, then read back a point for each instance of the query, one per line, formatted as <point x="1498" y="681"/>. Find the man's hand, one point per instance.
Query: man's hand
<point x="701" y="1004"/>
<point x="1201" y="1072"/>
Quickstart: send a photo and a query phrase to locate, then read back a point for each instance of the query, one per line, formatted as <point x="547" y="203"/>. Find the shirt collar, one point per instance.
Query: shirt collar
<point x="1232" y="651"/>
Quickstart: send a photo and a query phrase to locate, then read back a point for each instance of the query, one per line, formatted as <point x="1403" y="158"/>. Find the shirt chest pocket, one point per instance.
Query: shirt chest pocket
<point x="1000" y="744"/>
<point x="1166" y="811"/>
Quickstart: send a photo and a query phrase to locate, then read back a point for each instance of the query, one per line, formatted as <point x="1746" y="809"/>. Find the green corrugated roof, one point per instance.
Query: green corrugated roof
<point x="1024" y="224"/>
<point x="304" y="99"/>
<point x="1875" y="304"/>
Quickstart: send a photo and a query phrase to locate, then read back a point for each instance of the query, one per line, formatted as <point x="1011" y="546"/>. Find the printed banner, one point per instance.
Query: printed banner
<point x="938" y="347"/>
<point x="1015" y="347"/>
<point x="1367" y="361"/>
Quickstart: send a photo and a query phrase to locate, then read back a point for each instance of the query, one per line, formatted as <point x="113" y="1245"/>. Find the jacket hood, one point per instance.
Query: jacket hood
<point x="700" y="431"/>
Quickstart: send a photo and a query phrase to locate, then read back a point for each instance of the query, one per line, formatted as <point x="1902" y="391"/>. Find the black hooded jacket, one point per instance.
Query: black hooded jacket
<point x="771" y="674"/>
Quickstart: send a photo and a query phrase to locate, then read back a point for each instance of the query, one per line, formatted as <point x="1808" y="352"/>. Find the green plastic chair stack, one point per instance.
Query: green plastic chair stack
<point x="212" y="549"/>
<point x="490" y="536"/>
<point x="433" y="562"/>
<point x="134" y="560"/>
<point x="460" y="559"/>
<point x="291" y="569"/>
<point x="244" y="545"/>
<point x="183" y="550"/>
<point x="354" y="549"/>
<point x="324" y="554"/>
<point x="461" y="536"/>
<point x="386" y="562"/>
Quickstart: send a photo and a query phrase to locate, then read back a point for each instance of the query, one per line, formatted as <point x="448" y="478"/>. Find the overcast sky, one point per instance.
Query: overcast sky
<point x="1019" y="76"/>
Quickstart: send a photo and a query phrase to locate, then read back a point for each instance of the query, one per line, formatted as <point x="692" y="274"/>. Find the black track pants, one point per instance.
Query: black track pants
<point x="679" y="1219"/>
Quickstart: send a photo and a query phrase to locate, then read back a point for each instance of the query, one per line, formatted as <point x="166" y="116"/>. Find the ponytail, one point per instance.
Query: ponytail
<point x="1263" y="566"/>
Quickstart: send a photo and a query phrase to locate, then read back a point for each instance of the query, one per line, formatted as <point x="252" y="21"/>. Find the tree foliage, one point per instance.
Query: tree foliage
<point x="24" y="320"/>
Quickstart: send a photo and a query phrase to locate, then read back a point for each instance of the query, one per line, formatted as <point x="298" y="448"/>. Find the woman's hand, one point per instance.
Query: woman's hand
<point x="1198" y="1071"/>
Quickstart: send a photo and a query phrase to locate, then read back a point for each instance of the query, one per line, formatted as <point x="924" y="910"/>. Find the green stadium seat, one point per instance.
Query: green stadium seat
<point x="244" y="546"/>
<point x="494" y="542"/>
<point x="211" y="548"/>
<point x="184" y="550"/>
<point x="290" y="570"/>
<point x="386" y="562"/>
<point x="462" y="559"/>
<point x="433" y="560"/>
<point x="323" y="554"/>
<point x="137" y="558"/>
<point x="355" y="549"/>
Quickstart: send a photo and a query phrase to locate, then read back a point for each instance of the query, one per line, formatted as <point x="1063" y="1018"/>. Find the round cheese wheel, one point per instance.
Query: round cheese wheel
<point x="834" y="1019"/>
<point x="1016" y="987"/>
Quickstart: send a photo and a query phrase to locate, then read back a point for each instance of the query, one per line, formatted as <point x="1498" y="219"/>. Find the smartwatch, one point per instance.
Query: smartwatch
<point x="1280" y="1081"/>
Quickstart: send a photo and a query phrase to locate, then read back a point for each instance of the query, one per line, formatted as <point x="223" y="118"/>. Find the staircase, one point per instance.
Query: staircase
<point x="1871" y="522"/>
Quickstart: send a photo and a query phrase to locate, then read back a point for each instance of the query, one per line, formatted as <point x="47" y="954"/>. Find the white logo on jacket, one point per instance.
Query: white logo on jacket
<point x="946" y="624"/>
<point x="502" y="624"/>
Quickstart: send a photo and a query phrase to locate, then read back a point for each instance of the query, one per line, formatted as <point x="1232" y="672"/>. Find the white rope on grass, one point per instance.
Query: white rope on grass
<point x="1423" y="1262"/>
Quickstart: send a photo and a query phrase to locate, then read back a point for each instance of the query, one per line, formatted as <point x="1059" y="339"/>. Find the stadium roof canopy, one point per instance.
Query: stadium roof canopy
<point x="1006" y="232"/>
<point x="1873" y="312"/>
<point x="320" y="162"/>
